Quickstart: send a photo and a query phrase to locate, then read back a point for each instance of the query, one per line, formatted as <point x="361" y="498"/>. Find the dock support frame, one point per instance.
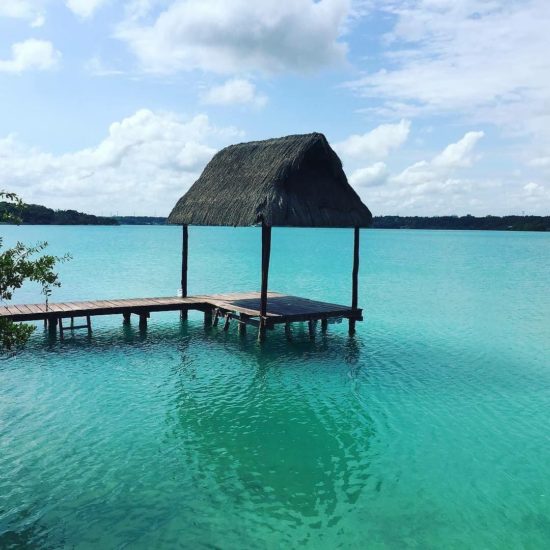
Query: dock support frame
<point x="72" y="326"/>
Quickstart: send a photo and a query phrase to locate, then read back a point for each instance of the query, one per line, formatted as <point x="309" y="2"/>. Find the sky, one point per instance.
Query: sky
<point x="435" y="107"/>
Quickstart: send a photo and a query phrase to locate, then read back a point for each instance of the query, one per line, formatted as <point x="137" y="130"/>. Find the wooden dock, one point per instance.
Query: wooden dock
<point x="242" y="308"/>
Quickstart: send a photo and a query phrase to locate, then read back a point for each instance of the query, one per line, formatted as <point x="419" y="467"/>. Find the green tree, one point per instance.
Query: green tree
<point x="19" y="264"/>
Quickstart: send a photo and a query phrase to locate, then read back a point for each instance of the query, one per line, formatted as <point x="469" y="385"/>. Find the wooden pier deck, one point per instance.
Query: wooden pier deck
<point x="244" y="308"/>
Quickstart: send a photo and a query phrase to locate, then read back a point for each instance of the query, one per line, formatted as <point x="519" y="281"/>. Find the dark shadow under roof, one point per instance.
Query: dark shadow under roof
<point x="293" y="181"/>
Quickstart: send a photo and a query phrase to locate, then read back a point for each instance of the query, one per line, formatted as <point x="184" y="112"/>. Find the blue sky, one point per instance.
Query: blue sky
<point x="434" y="106"/>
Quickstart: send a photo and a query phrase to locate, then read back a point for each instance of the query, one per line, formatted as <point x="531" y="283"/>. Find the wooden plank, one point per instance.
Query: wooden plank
<point x="128" y="303"/>
<point x="244" y="320"/>
<point x="55" y="308"/>
<point x="69" y="307"/>
<point x="37" y="308"/>
<point x="308" y="316"/>
<point x="238" y="309"/>
<point x="75" y="306"/>
<point x="89" y="305"/>
<point x="142" y="302"/>
<point x="165" y="301"/>
<point x="116" y="304"/>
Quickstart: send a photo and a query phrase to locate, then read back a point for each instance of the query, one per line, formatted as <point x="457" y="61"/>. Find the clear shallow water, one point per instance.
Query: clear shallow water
<point x="429" y="429"/>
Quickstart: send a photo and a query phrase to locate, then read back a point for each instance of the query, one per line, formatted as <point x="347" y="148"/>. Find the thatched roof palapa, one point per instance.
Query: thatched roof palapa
<point x="290" y="181"/>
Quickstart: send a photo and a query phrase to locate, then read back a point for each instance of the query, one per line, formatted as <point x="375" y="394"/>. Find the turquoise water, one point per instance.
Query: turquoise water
<point x="429" y="429"/>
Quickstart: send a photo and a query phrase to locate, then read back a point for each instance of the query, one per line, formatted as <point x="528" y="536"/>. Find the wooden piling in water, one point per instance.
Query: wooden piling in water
<point x="354" y="277"/>
<point x="184" y="262"/>
<point x="242" y="323"/>
<point x="143" y="320"/>
<point x="266" y="252"/>
<point x="311" y="328"/>
<point x="227" y="322"/>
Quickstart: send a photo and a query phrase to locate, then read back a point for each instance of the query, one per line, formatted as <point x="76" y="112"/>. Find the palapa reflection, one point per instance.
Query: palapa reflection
<point x="262" y="429"/>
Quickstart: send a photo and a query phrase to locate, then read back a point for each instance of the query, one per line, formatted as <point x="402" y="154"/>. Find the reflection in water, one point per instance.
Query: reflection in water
<point x="33" y="534"/>
<point x="277" y="444"/>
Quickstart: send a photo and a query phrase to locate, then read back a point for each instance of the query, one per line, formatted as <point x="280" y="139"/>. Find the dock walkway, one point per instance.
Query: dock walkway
<point x="244" y="308"/>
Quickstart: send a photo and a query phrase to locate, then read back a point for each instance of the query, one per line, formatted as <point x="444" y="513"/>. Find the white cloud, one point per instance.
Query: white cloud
<point x="485" y="60"/>
<point x="32" y="54"/>
<point x="377" y="143"/>
<point x="135" y="9"/>
<point x="536" y="197"/>
<point x="146" y="162"/>
<point x="540" y="162"/>
<point x="441" y="168"/>
<point x="234" y="92"/>
<point x="436" y="186"/>
<point x="459" y="154"/>
<point x="96" y="67"/>
<point x="532" y="188"/>
<point x="373" y="175"/>
<point x="239" y="36"/>
<point x="28" y="10"/>
<point x="84" y="8"/>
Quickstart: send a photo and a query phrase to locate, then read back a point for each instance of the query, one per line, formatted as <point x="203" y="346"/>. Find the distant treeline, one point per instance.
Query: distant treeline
<point x="140" y="220"/>
<point x="487" y="223"/>
<point x="490" y="223"/>
<point x="34" y="214"/>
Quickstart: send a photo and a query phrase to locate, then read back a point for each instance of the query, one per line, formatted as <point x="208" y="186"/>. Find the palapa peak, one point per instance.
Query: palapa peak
<point x="295" y="181"/>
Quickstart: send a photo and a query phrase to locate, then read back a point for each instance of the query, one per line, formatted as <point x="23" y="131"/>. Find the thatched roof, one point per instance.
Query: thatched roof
<point x="289" y="181"/>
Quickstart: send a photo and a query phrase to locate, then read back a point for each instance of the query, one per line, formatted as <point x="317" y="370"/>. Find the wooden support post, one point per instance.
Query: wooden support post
<point x="288" y="330"/>
<point x="262" y="330"/>
<point x="143" y="320"/>
<point x="61" y="328"/>
<point x="89" y="323"/>
<point x="216" y="317"/>
<point x="242" y="324"/>
<point x="207" y="317"/>
<point x="184" y="256"/>
<point x="355" y="275"/>
<point x="126" y="315"/>
<point x="227" y="321"/>
<point x="324" y="325"/>
<point x="311" y="326"/>
<point x="266" y="252"/>
<point x="52" y="324"/>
